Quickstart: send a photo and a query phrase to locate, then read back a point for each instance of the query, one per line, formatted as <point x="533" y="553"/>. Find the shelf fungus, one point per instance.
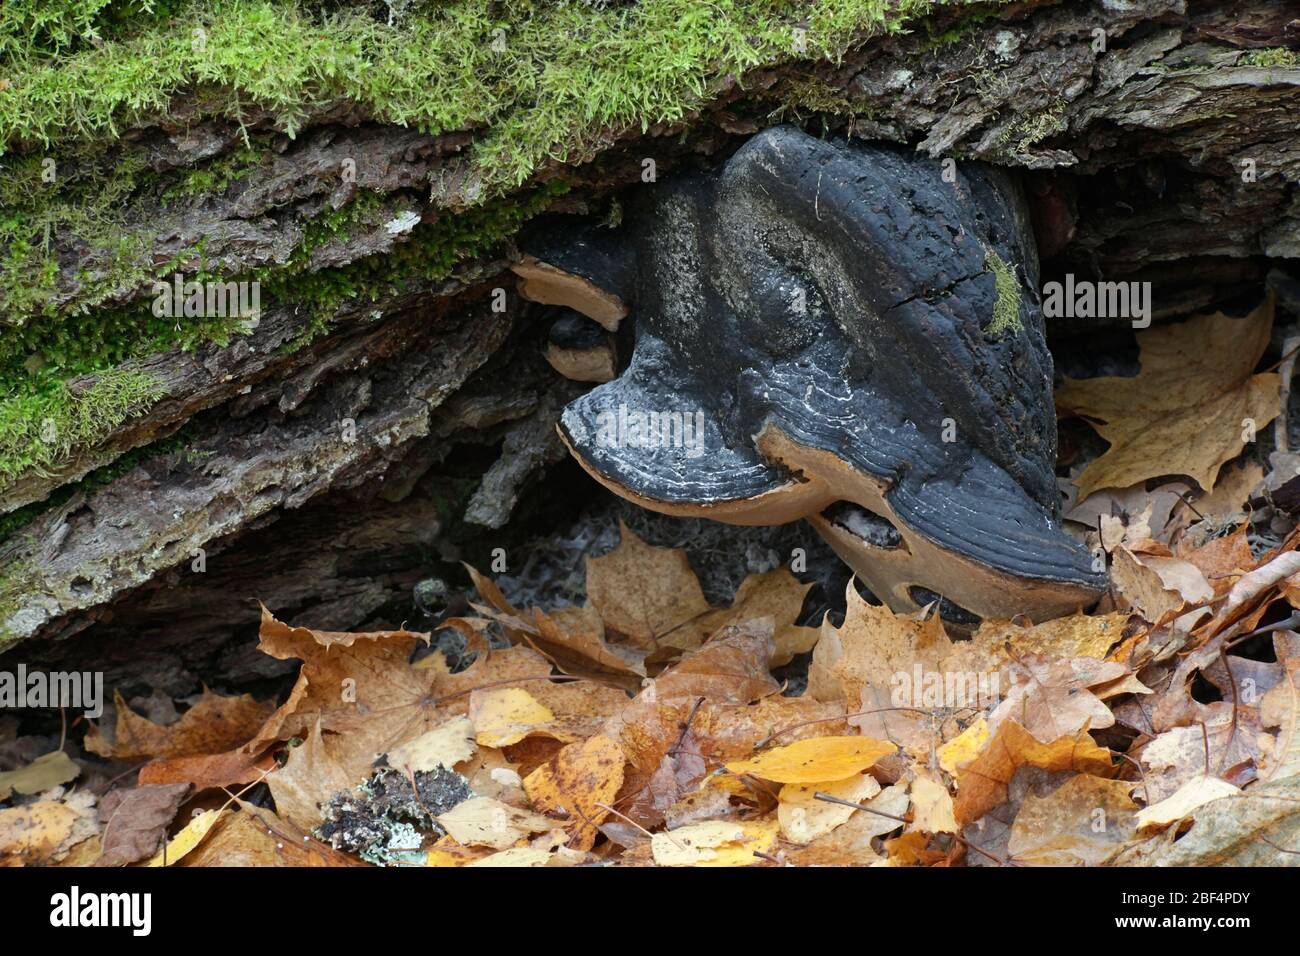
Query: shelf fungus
<point x="848" y="334"/>
<point x="580" y="349"/>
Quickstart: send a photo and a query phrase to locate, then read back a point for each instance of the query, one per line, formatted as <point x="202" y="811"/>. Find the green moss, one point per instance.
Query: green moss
<point x="38" y="359"/>
<point x="17" y="577"/>
<point x="216" y="176"/>
<point x="1029" y="131"/>
<point x="41" y="429"/>
<point x="431" y="253"/>
<point x="816" y="96"/>
<point x="31" y="27"/>
<point x="958" y="31"/>
<point x="545" y="77"/>
<point x="1006" y="311"/>
<point x="1273" y="56"/>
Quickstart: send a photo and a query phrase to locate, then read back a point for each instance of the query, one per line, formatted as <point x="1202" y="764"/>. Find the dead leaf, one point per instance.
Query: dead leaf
<point x="1257" y="827"/>
<point x="1185" y="801"/>
<point x="778" y="595"/>
<point x="46" y="831"/>
<point x="717" y="843"/>
<point x="256" y="836"/>
<point x="932" y="807"/>
<point x="506" y="715"/>
<point x="1221" y="560"/>
<point x="322" y="765"/>
<point x="643" y="592"/>
<point x="191" y="835"/>
<point x="850" y="844"/>
<point x="1080" y="823"/>
<point x="480" y="821"/>
<point x="912" y="849"/>
<point x="730" y="668"/>
<point x="45" y="772"/>
<point x="982" y="783"/>
<point x="1182" y="414"/>
<point x="804" y="818"/>
<point x="1157" y="587"/>
<point x="214" y="725"/>
<point x="1078" y="635"/>
<point x="1268" y="575"/>
<point x="1050" y="698"/>
<point x="209" y="772"/>
<point x="576" y="783"/>
<point x="444" y="746"/>
<point x="815" y="760"/>
<point x="135" y="821"/>
<point x="360" y="683"/>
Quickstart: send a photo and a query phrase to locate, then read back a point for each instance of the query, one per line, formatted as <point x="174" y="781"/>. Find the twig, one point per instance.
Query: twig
<point x="1232" y="682"/>
<point x="1280" y="849"/>
<point x="624" y="816"/>
<point x="686" y="727"/>
<point x="1146" y="793"/>
<point x="825" y="720"/>
<point x="1183" y="497"/>
<point x="956" y="836"/>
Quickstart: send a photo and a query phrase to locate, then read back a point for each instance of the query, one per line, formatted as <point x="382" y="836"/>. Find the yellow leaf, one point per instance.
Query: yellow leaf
<point x="46" y="771"/>
<point x="482" y="821"/>
<point x="1188" y="798"/>
<point x="1183" y="413"/>
<point x="579" y="782"/>
<point x="524" y="856"/>
<point x="804" y="818"/>
<point x="43" y="832"/>
<point x="448" y="853"/>
<point x="816" y="759"/>
<point x="714" y="843"/>
<point x="932" y="807"/>
<point x="506" y="715"/>
<point x="190" y="837"/>
<point x="965" y="747"/>
<point x="443" y="746"/>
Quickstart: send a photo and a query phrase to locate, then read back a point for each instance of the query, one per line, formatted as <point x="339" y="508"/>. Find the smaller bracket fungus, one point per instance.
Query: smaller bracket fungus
<point x="820" y="335"/>
<point x="580" y="349"/>
<point x="577" y="268"/>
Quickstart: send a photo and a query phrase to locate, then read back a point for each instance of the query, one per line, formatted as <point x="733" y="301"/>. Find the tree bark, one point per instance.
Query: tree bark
<point x="1151" y="145"/>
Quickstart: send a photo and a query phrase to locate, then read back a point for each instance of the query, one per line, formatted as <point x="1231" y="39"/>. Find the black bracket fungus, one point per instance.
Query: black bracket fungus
<point x="821" y="322"/>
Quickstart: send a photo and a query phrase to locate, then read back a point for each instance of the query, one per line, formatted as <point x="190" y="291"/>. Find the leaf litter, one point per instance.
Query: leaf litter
<point x="646" y="727"/>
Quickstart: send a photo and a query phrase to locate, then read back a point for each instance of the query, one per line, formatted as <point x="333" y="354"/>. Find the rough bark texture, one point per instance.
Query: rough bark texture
<point x="1133" y="158"/>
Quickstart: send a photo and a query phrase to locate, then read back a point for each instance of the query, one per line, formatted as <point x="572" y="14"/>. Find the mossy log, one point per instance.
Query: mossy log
<point x="376" y="205"/>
